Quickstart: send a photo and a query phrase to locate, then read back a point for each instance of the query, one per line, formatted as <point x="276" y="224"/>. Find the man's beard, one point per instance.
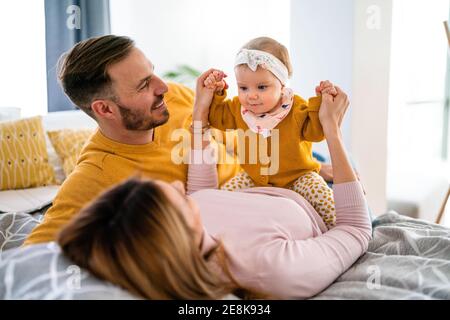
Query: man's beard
<point x="136" y="120"/>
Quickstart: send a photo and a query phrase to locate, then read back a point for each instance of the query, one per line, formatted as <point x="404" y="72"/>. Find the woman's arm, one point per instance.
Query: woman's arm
<point x="331" y="114"/>
<point x="306" y="267"/>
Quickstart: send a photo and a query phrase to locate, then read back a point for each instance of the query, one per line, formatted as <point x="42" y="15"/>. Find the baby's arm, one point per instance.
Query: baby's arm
<point x="220" y="114"/>
<point x="311" y="128"/>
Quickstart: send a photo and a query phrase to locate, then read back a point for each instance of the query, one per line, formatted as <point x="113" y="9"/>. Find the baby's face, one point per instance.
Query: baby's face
<point x="259" y="91"/>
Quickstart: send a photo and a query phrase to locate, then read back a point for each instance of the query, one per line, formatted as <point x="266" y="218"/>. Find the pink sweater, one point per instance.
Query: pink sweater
<point x="275" y="240"/>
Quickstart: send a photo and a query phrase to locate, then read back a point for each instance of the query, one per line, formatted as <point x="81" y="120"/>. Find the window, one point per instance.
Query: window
<point x="22" y="58"/>
<point x="420" y="59"/>
<point x="418" y="138"/>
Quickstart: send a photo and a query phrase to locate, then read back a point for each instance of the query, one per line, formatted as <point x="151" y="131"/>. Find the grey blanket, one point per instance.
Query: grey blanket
<point x="407" y="259"/>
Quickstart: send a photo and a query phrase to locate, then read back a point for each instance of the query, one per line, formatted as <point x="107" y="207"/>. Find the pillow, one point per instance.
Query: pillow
<point x="55" y="161"/>
<point x="42" y="272"/>
<point x="68" y="144"/>
<point x="14" y="228"/>
<point x="27" y="200"/>
<point x="23" y="155"/>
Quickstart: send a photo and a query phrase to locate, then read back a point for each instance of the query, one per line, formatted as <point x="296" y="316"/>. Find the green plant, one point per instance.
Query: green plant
<point x="183" y="74"/>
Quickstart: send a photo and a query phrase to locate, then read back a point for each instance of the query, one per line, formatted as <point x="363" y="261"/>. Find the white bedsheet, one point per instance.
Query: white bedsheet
<point x="27" y="200"/>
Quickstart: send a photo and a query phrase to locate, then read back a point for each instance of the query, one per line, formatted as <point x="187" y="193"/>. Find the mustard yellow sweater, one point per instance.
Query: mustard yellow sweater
<point x="104" y="162"/>
<point x="296" y="132"/>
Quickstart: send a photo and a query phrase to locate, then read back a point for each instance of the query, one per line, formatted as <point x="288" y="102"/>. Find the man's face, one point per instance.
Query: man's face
<point x="139" y="92"/>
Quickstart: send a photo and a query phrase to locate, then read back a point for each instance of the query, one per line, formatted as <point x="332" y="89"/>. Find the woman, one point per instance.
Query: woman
<point x="159" y="243"/>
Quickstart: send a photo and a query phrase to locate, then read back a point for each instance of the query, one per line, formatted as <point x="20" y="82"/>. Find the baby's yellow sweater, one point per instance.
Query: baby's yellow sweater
<point x="104" y="163"/>
<point x="296" y="132"/>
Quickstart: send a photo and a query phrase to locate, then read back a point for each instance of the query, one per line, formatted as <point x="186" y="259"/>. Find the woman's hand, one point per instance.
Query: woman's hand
<point x="326" y="87"/>
<point x="332" y="110"/>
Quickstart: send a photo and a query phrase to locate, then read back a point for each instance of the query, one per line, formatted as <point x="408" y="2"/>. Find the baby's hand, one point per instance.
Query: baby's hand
<point x="326" y="87"/>
<point x="215" y="81"/>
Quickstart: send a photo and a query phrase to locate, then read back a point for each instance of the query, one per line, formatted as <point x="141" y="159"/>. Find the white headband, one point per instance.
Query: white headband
<point x="255" y="58"/>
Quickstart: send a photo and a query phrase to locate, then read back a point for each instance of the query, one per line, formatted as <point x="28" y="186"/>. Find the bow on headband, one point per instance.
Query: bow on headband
<point x="255" y="58"/>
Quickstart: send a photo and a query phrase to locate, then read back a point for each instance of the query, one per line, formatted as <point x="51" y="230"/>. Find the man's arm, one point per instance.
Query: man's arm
<point x="84" y="184"/>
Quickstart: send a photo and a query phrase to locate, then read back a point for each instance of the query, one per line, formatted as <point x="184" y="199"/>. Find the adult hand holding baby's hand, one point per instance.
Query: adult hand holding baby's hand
<point x="332" y="110"/>
<point x="205" y="89"/>
<point x="216" y="81"/>
<point x="326" y="87"/>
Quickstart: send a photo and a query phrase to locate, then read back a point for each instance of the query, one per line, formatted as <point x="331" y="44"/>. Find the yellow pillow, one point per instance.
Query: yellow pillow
<point x="23" y="155"/>
<point x="68" y="144"/>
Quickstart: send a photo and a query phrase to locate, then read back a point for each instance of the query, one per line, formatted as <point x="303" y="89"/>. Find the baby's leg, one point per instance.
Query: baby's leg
<point x="240" y="181"/>
<point x="315" y="190"/>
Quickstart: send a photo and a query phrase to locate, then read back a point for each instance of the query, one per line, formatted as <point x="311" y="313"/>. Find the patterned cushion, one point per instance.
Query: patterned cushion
<point x="42" y="272"/>
<point x="68" y="144"/>
<point x="23" y="155"/>
<point x="14" y="228"/>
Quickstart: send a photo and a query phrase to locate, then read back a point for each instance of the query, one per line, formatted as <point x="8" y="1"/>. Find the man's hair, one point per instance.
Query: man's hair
<point x="83" y="70"/>
<point x="273" y="47"/>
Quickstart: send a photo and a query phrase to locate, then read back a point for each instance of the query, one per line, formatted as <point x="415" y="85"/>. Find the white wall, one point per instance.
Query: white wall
<point x="206" y="34"/>
<point x="200" y="33"/>
<point x="416" y="173"/>
<point x="371" y="72"/>
<point x="23" y="81"/>
<point x="322" y="48"/>
<point x="329" y="39"/>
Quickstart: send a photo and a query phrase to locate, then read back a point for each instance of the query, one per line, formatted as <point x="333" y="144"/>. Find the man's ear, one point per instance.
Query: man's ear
<point x="103" y="109"/>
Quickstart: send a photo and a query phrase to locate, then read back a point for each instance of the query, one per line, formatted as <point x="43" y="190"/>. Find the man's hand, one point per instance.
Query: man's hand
<point x="204" y="96"/>
<point x="216" y="81"/>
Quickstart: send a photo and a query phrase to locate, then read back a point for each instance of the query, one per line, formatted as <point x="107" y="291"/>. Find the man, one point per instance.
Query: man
<point x="114" y="83"/>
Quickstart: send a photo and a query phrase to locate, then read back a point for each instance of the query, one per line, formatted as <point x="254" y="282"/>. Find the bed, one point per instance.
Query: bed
<point x="407" y="259"/>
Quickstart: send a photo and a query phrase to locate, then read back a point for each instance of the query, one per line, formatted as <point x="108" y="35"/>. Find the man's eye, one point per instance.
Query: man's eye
<point x="145" y="86"/>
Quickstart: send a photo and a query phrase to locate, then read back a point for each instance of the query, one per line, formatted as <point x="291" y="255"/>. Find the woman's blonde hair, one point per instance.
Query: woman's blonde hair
<point x="134" y="237"/>
<point x="273" y="47"/>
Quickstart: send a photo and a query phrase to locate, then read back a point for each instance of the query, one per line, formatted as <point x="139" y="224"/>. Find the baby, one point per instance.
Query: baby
<point x="264" y="104"/>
